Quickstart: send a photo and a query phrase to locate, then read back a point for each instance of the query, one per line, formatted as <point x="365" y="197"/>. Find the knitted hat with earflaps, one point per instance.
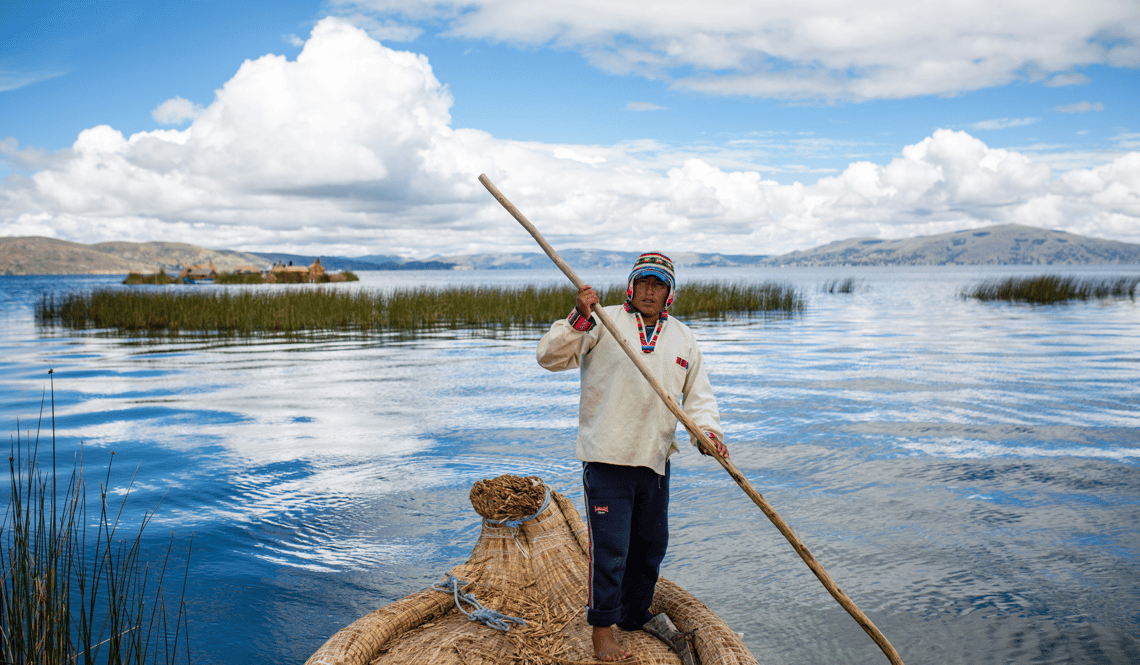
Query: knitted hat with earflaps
<point x="658" y="265"/>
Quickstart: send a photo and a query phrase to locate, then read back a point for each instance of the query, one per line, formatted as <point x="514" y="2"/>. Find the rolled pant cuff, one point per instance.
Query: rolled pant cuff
<point x="634" y="625"/>
<point x="602" y="618"/>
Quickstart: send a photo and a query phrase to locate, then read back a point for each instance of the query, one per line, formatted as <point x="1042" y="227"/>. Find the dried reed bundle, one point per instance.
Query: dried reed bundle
<point x="508" y="497"/>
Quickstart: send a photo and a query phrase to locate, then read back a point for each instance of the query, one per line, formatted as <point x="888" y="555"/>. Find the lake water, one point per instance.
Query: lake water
<point x="969" y="473"/>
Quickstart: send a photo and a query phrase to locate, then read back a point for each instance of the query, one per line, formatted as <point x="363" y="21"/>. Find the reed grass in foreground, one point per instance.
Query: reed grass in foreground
<point x="1051" y="289"/>
<point x="74" y="589"/>
<point x="475" y="307"/>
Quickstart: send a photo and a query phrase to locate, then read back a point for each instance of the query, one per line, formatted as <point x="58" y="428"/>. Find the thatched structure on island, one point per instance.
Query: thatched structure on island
<point x="199" y="272"/>
<point x="291" y="274"/>
<point x="279" y="273"/>
<point x="316" y="270"/>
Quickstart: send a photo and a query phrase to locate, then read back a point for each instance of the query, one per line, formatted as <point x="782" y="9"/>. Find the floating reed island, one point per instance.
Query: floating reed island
<point x="279" y="273"/>
<point x="238" y="311"/>
<point x="1052" y="289"/>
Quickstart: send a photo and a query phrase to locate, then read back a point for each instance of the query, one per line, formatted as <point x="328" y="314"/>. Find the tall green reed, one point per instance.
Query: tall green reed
<point x="1052" y="289"/>
<point x="235" y="311"/>
<point x="836" y="285"/>
<point x="72" y="589"/>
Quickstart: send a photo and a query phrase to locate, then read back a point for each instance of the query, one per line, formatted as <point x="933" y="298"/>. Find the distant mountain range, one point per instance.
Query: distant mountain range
<point x="1008" y="244"/>
<point x="370" y="262"/>
<point x="592" y="259"/>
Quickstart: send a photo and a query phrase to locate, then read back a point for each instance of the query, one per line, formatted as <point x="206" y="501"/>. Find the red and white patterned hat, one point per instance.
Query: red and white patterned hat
<point x="658" y="265"/>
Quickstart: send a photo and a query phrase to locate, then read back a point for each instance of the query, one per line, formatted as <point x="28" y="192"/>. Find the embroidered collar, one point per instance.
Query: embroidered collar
<point x="648" y="344"/>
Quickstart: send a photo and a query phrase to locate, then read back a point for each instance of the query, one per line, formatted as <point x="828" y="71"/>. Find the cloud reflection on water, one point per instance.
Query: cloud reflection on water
<point x="948" y="461"/>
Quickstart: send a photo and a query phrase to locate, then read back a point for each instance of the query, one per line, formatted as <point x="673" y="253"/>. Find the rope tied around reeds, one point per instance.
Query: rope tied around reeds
<point x="492" y="618"/>
<point x="509" y="501"/>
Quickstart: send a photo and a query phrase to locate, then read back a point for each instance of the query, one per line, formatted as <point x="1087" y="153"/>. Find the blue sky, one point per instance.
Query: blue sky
<point x="738" y="127"/>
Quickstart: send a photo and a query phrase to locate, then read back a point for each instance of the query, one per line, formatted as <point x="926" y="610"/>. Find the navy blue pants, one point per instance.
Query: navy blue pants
<point x="627" y="510"/>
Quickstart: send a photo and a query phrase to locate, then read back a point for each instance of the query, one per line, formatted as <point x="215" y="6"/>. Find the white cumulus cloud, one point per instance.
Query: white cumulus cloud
<point x="176" y="111"/>
<point x="812" y="49"/>
<point x="349" y="149"/>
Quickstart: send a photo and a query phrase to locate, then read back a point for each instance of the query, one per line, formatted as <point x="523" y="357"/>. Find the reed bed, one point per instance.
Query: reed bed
<point x="157" y="278"/>
<point x="73" y="588"/>
<point x="243" y="278"/>
<point x="226" y="311"/>
<point x="846" y="285"/>
<point x="1052" y="289"/>
<point x="712" y="300"/>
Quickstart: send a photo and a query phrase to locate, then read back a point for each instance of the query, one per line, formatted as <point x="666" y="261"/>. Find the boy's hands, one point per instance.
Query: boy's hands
<point x="586" y="299"/>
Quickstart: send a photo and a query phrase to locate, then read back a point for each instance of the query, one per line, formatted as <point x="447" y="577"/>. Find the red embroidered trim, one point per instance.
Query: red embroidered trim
<point x="647" y="346"/>
<point x="579" y="322"/>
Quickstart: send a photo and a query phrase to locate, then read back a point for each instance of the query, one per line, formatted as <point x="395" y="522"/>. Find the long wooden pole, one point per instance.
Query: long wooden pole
<point x="706" y="444"/>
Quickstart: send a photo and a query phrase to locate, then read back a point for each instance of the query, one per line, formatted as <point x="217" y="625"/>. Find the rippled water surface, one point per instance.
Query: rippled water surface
<point x="969" y="473"/>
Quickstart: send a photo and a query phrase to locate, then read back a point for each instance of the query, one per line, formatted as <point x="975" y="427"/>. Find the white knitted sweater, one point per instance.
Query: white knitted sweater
<point x="621" y="419"/>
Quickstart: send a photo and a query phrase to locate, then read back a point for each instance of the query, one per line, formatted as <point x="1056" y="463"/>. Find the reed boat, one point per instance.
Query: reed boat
<point x="520" y="598"/>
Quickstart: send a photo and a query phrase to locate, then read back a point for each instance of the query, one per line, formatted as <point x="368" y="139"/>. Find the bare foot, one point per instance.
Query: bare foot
<point x="606" y="647"/>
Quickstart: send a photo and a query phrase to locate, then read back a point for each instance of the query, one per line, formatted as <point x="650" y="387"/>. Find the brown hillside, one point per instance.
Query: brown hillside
<point x="48" y="256"/>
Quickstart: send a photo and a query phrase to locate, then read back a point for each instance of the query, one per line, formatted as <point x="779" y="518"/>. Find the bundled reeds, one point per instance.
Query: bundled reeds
<point x="471" y="307"/>
<point x="1051" y="289"/>
<point x="72" y="588"/>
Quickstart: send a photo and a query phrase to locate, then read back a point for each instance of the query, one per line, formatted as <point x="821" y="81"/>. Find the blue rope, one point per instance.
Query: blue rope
<point x="496" y="620"/>
<point x="514" y="524"/>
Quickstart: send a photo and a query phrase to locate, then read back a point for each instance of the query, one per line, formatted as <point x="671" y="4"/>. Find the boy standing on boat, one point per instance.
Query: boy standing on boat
<point x="626" y="435"/>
